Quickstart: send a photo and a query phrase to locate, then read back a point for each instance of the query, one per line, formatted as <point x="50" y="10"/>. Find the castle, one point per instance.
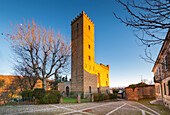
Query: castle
<point x="86" y="75"/>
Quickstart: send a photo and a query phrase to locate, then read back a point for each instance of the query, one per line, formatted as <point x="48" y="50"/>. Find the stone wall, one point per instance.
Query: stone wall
<point x="145" y="92"/>
<point x="62" y="86"/>
<point x="90" y="80"/>
<point x="77" y="54"/>
<point x="104" y="89"/>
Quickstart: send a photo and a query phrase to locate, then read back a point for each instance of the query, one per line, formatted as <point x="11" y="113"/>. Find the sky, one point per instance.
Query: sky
<point x="115" y="43"/>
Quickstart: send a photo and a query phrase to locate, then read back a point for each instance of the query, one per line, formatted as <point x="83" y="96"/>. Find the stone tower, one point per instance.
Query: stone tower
<point x="87" y="76"/>
<point x="82" y="37"/>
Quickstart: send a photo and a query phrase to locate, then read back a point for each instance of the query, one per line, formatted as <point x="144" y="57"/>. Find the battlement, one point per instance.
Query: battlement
<point x="80" y="15"/>
<point x="104" y="66"/>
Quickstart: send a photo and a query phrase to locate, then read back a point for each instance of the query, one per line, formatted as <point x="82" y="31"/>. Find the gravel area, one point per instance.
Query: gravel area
<point x="100" y="108"/>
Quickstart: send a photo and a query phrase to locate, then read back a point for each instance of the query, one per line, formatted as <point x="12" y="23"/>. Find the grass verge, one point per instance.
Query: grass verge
<point x="73" y="100"/>
<point x="159" y="108"/>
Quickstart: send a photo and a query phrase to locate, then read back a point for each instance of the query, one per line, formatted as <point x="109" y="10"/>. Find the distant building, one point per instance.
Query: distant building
<point x="140" y="91"/>
<point x="86" y="75"/>
<point x="161" y="71"/>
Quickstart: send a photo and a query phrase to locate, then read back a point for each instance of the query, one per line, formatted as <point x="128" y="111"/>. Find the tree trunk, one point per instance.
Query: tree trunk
<point x="44" y="83"/>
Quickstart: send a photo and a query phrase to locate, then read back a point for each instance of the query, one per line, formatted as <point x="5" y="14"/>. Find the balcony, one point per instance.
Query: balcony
<point x="157" y="79"/>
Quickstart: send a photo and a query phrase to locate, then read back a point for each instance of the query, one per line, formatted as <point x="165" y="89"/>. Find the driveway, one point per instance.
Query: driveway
<point x="100" y="108"/>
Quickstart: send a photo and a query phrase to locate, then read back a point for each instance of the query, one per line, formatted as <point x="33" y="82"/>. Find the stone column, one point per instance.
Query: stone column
<point x="78" y="98"/>
<point x="91" y="98"/>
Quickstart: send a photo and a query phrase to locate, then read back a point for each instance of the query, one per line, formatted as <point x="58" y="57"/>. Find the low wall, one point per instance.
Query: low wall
<point x="142" y="92"/>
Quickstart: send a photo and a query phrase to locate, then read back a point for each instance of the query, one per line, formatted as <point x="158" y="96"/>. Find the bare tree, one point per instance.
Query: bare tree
<point x="26" y="80"/>
<point x="148" y="18"/>
<point x="43" y="52"/>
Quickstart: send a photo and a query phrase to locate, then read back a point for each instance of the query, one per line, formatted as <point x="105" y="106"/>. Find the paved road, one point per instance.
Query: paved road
<point x="102" y="108"/>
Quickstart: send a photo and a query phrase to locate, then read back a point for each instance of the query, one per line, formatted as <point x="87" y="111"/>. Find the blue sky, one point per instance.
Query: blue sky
<point x="115" y="43"/>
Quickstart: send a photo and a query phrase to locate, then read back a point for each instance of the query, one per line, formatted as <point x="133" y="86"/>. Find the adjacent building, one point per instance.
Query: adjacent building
<point x="161" y="71"/>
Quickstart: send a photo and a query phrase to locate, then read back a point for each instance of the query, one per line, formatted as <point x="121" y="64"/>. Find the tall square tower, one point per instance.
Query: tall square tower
<point x="87" y="76"/>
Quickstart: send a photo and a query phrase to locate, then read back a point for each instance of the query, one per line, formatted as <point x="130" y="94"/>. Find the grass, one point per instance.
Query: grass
<point x="73" y="100"/>
<point x="159" y="108"/>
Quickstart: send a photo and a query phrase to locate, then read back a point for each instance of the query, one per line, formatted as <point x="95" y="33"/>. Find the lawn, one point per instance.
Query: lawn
<point x="159" y="108"/>
<point x="73" y="100"/>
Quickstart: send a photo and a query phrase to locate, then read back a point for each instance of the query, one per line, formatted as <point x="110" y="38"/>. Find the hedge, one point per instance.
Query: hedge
<point x="74" y="94"/>
<point x="27" y="95"/>
<point x="50" y="97"/>
<point x="102" y="97"/>
<point x="39" y="93"/>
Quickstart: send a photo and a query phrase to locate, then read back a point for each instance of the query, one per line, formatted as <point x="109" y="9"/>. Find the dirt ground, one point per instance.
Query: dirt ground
<point x="100" y="108"/>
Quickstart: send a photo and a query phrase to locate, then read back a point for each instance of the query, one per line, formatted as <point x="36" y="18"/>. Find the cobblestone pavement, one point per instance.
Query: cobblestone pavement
<point x="101" y="108"/>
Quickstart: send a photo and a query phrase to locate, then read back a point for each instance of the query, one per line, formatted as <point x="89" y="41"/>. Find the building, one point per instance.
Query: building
<point x="86" y="75"/>
<point x="161" y="71"/>
<point x="140" y="91"/>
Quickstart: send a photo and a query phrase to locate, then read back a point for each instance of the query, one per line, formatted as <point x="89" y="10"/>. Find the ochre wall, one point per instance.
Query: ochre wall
<point x="90" y="66"/>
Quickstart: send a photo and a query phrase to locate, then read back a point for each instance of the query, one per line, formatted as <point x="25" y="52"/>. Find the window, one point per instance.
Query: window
<point x="89" y="89"/>
<point x="89" y="58"/>
<point x="159" y="71"/>
<point x="89" y="46"/>
<point x="164" y="89"/>
<point x="89" y="27"/>
<point x="162" y="68"/>
<point x="166" y="62"/>
<point x="106" y="83"/>
<point x="169" y="86"/>
<point x="77" y="27"/>
<point x="158" y="89"/>
<point x="107" y="76"/>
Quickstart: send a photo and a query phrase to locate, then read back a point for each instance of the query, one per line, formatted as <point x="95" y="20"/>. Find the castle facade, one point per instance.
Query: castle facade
<point x="86" y="75"/>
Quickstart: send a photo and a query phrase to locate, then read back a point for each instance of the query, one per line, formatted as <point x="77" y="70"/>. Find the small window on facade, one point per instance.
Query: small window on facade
<point x="107" y="76"/>
<point x="89" y="89"/>
<point x="159" y="71"/>
<point x="164" y="89"/>
<point x="169" y="86"/>
<point x="77" y="27"/>
<point x="162" y="68"/>
<point x="89" y="46"/>
<point x="106" y="83"/>
<point x="89" y="58"/>
<point x="89" y="27"/>
<point x="166" y="62"/>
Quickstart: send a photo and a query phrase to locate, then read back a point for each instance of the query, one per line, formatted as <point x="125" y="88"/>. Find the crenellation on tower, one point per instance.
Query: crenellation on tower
<point x="80" y="15"/>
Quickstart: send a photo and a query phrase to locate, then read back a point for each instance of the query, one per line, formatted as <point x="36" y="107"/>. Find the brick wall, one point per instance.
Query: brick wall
<point x="145" y="92"/>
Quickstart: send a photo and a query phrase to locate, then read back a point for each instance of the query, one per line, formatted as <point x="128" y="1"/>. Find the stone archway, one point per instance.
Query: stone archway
<point x="67" y="91"/>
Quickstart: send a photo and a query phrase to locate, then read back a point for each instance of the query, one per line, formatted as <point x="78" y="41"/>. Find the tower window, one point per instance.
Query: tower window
<point x="89" y="46"/>
<point x="106" y="83"/>
<point x="89" y="58"/>
<point x="77" y="27"/>
<point x="89" y="27"/>
<point x="107" y="76"/>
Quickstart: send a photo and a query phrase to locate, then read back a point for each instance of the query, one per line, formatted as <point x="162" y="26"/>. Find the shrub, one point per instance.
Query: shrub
<point x="27" y="95"/>
<point x="50" y="97"/>
<point x="98" y="97"/>
<point x="112" y="96"/>
<point x="39" y="93"/>
<point x="74" y="94"/>
<point x="102" y="97"/>
<point x="115" y="90"/>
